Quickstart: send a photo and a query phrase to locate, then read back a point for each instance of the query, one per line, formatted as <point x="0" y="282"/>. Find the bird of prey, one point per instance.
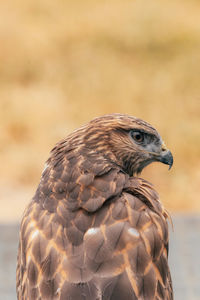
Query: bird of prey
<point x="94" y="229"/>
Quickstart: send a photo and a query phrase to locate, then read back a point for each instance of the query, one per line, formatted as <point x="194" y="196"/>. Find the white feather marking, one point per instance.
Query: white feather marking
<point x="45" y="167"/>
<point x="134" y="232"/>
<point x="34" y="234"/>
<point x="58" y="290"/>
<point x="92" y="230"/>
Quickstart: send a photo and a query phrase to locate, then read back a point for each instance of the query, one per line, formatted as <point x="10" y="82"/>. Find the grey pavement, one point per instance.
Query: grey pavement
<point x="184" y="258"/>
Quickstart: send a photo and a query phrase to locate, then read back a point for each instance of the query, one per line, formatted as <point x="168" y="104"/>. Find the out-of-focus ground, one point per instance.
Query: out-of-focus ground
<point x="63" y="63"/>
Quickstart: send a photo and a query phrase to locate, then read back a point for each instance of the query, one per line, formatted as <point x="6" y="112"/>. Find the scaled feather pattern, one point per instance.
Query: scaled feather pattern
<point x="94" y="230"/>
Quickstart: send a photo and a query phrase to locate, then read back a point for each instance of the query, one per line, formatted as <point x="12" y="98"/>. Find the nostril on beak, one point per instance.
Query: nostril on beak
<point x="164" y="148"/>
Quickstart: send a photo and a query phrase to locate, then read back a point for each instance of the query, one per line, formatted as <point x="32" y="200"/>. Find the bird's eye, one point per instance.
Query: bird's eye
<point x="138" y="136"/>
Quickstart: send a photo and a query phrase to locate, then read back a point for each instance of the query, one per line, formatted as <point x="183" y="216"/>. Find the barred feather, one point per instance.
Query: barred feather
<point x="93" y="231"/>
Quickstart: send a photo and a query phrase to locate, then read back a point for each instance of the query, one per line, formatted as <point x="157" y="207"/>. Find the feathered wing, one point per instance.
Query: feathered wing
<point x="97" y="234"/>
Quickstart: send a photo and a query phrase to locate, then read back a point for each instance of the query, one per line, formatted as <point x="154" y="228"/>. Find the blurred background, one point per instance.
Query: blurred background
<point x="63" y="63"/>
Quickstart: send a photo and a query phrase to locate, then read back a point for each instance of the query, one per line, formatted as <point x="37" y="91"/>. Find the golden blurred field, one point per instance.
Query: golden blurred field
<point x="63" y="63"/>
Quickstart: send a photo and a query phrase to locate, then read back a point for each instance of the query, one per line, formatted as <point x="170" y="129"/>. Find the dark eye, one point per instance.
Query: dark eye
<point x="138" y="136"/>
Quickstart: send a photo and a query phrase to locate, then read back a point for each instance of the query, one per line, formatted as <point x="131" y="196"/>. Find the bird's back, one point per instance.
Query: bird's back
<point x="117" y="252"/>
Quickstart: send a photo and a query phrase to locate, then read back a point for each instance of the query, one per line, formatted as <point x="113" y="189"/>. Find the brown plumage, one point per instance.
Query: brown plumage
<point x="94" y="230"/>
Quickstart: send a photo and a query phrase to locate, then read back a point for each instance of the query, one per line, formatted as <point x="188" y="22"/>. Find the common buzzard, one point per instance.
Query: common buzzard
<point x="94" y="230"/>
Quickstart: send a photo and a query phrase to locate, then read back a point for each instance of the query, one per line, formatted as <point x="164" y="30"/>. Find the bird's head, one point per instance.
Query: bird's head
<point x="127" y="141"/>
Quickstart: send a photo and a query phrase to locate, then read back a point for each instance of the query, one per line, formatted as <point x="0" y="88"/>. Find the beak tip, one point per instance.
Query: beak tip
<point x="167" y="159"/>
<point x="170" y="166"/>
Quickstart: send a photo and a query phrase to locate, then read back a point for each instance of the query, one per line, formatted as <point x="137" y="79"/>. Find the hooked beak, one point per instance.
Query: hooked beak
<point x="166" y="156"/>
<point x="163" y="155"/>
